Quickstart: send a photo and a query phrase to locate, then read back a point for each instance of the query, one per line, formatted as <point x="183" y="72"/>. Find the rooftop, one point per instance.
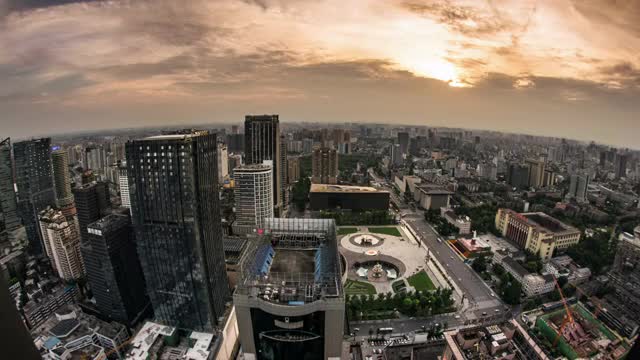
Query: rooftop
<point x="515" y="266"/>
<point x="344" y="189"/>
<point x="547" y="222"/>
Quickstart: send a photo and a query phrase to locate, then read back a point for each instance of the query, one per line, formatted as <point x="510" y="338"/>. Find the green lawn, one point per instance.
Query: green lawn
<point x="385" y="230"/>
<point x="347" y="230"/>
<point x="353" y="287"/>
<point x="421" y="281"/>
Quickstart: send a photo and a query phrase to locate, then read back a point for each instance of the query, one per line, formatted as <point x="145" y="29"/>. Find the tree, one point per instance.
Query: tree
<point x="511" y="292"/>
<point x="480" y="264"/>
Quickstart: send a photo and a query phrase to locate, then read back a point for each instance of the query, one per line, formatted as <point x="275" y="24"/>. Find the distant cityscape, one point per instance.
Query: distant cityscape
<point x="266" y="240"/>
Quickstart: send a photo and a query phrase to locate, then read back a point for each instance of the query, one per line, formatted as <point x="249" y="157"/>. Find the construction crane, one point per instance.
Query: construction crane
<point x="568" y="320"/>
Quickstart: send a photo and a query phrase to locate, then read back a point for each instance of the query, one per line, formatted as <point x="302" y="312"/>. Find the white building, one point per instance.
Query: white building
<point x="223" y="162"/>
<point x="61" y="237"/>
<point x="253" y="195"/>
<point x="123" y="181"/>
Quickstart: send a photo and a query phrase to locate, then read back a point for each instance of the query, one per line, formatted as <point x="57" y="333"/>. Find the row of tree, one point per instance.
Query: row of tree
<point x="367" y="217"/>
<point x="419" y="303"/>
<point x="442" y="226"/>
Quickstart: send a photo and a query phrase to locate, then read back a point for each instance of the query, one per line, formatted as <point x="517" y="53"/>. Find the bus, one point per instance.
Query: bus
<point x="385" y="331"/>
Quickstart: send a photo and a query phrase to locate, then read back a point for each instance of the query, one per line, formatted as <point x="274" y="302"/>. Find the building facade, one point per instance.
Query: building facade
<point x="62" y="243"/>
<point x="123" y="182"/>
<point x="34" y="180"/>
<point x="223" y="162"/>
<point x="290" y="302"/>
<point x="92" y="203"/>
<point x="262" y="142"/>
<point x="113" y="269"/>
<point x="356" y="198"/>
<point x="324" y="166"/>
<point x="253" y="195"/>
<point x="538" y="232"/>
<point x="293" y="171"/>
<point x="9" y="220"/>
<point x="62" y="181"/>
<point x="176" y="216"/>
<point x="578" y="186"/>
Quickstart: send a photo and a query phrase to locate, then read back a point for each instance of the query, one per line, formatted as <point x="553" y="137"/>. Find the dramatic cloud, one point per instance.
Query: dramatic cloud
<point x="535" y="66"/>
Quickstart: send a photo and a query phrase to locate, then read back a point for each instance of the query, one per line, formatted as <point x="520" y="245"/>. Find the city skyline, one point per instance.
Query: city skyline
<point x="563" y="69"/>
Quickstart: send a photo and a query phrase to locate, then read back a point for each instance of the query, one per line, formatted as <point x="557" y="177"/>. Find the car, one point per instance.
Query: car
<point x="497" y="310"/>
<point x="484" y="313"/>
<point x="457" y="316"/>
<point x="356" y="329"/>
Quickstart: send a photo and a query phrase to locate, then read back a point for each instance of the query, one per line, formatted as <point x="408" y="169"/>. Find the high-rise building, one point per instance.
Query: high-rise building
<point x="96" y="159"/>
<point x="176" y="216"/>
<point x="578" y="186"/>
<point x="9" y="220"/>
<point x="253" y="195"/>
<point x="324" y="166"/>
<point x="396" y="155"/>
<point x="123" y="181"/>
<point x="62" y="182"/>
<point x="620" y="165"/>
<point x="403" y="141"/>
<point x="262" y="142"/>
<point x="92" y="203"/>
<point x="283" y="175"/>
<point x="536" y="172"/>
<point x="62" y="243"/>
<point x="518" y="175"/>
<point x="113" y="269"/>
<point x="223" y="162"/>
<point x="289" y="301"/>
<point x="293" y="171"/>
<point x="35" y="185"/>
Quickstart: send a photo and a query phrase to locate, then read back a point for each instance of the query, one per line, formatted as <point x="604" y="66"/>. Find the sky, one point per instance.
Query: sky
<point x="565" y="68"/>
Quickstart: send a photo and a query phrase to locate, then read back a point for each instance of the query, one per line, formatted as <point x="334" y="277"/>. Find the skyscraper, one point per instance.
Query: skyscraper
<point x="620" y="165"/>
<point x="123" y="181"/>
<point x="223" y="161"/>
<point x="35" y="185"/>
<point x="578" y="187"/>
<point x="62" y="243"/>
<point x="92" y="202"/>
<point x="9" y="220"/>
<point x="324" y="166"/>
<point x="403" y="141"/>
<point x="262" y="142"/>
<point x="536" y="172"/>
<point x="62" y="182"/>
<point x="176" y="218"/>
<point x="518" y="175"/>
<point x="113" y="269"/>
<point x="253" y="195"/>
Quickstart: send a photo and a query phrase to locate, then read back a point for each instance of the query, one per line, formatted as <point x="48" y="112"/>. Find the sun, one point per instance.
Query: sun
<point x="439" y="69"/>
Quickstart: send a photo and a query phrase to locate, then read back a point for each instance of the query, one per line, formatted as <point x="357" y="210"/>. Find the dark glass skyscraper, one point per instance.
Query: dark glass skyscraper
<point x="174" y="201"/>
<point x="35" y="185"/>
<point x="8" y="206"/>
<point x="92" y="203"/>
<point x="262" y="142"/>
<point x="113" y="269"/>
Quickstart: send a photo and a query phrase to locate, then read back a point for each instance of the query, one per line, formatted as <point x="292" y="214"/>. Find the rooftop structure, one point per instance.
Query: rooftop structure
<point x="504" y="341"/>
<point x="290" y="298"/>
<point x="328" y="197"/>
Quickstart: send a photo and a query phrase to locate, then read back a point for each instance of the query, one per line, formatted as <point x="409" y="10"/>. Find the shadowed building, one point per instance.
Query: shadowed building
<point x="35" y="185"/>
<point x="324" y="166"/>
<point x="176" y="216"/>
<point x="9" y="220"/>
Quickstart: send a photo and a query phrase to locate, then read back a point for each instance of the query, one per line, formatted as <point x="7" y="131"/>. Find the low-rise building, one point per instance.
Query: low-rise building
<point x="357" y="198"/>
<point x="564" y="266"/>
<point x="537" y="232"/>
<point x="463" y="223"/>
<point x="532" y="284"/>
<point x="43" y="304"/>
<point x="431" y="196"/>
<point x="506" y="341"/>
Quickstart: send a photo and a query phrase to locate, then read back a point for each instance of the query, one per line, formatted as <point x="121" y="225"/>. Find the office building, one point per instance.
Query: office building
<point x="536" y="232"/>
<point x="62" y="182"/>
<point x="113" y="269"/>
<point x="324" y="166"/>
<point x="223" y="162"/>
<point x="343" y="197"/>
<point x="9" y="220"/>
<point x="96" y="159"/>
<point x="579" y="183"/>
<point x="92" y="203"/>
<point x="262" y="142"/>
<point x="284" y="168"/>
<point x="176" y="216"/>
<point x="123" y="182"/>
<point x="235" y="142"/>
<point x="35" y="185"/>
<point x="38" y="310"/>
<point x="293" y="171"/>
<point x="536" y="173"/>
<point x="62" y="243"/>
<point x="620" y="165"/>
<point x="518" y="175"/>
<point x="253" y="195"/>
<point x="403" y="141"/>
<point x="290" y="301"/>
<point x="432" y="196"/>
